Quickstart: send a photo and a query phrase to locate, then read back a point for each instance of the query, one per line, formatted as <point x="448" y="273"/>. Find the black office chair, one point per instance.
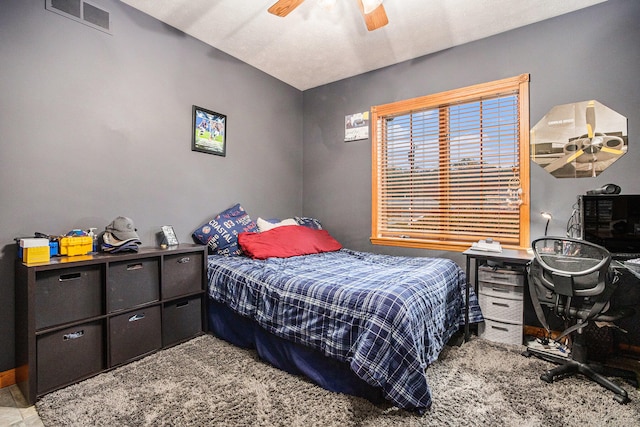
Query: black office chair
<point x="573" y="278"/>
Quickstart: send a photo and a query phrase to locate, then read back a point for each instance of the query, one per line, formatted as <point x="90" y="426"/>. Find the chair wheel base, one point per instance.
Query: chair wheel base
<point x="568" y="367"/>
<point x="547" y="377"/>
<point x="623" y="400"/>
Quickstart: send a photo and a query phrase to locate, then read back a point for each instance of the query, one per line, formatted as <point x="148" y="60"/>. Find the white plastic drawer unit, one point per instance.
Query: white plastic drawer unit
<point x="501" y="291"/>
<point x="500" y="294"/>
<point x="500" y="276"/>
<point x="507" y="333"/>
<point x="502" y="309"/>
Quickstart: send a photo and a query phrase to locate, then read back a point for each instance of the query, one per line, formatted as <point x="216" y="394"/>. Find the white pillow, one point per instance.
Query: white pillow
<point x="264" y="225"/>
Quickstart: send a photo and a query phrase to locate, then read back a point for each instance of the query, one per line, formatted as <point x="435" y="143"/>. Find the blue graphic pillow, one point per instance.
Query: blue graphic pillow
<point x="308" y="222"/>
<point x="221" y="233"/>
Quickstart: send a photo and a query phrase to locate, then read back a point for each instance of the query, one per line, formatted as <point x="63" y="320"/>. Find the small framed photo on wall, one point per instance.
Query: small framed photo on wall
<point x="209" y="132"/>
<point x="356" y="126"/>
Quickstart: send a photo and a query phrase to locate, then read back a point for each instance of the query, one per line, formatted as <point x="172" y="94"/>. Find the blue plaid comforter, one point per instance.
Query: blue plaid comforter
<point x="388" y="317"/>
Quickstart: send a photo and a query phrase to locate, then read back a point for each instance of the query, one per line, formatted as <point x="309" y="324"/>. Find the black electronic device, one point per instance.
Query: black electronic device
<point x="612" y="221"/>
<point x="606" y="189"/>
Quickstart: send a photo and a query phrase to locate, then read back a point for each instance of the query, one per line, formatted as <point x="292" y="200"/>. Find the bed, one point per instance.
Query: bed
<point x="353" y="322"/>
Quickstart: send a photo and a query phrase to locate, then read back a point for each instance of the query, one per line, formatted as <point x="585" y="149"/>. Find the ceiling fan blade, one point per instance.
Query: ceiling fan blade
<point x="283" y="7"/>
<point x="591" y="119"/>
<point x="560" y="162"/>
<point x="574" y="156"/>
<point x="612" y="151"/>
<point x="376" y="18"/>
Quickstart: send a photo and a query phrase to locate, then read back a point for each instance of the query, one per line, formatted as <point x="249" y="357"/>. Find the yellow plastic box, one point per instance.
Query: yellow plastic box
<point x="34" y="250"/>
<point x="35" y="254"/>
<point x="76" y="245"/>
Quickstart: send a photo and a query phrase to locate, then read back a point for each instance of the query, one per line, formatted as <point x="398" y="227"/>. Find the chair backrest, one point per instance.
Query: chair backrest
<point x="569" y="267"/>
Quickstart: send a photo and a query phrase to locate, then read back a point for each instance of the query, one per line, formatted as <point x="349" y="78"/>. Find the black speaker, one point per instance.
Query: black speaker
<point x="606" y="189"/>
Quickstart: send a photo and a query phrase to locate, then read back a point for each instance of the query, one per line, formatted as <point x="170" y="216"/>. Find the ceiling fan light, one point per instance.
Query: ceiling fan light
<point x="327" y="4"/>
<point x="370" y="5"/>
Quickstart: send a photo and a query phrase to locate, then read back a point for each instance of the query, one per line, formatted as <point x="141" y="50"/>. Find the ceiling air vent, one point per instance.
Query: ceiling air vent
<point x="83" y="12"/>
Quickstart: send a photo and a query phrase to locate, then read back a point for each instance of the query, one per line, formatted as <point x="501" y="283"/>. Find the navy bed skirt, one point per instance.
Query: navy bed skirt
<point x="291" y="357"/>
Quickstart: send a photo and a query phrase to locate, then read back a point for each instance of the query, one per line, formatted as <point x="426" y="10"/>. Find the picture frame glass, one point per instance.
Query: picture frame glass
<point x="169" y="235"/>
<point x="356" y="126"/>
<point x="209" y="132"/>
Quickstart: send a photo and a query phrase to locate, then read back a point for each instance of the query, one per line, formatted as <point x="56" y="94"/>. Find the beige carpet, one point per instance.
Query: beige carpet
<point x="207" y="382"/>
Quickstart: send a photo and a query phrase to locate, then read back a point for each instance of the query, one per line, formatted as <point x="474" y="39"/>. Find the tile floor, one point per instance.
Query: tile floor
<point x="14" y="411"/>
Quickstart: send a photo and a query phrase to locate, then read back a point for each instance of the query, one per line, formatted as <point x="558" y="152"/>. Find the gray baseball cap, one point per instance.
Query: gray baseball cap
<point x="122" y="228"/>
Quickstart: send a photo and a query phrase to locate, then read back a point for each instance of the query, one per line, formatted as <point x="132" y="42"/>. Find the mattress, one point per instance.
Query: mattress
<point x="386" y="317"/>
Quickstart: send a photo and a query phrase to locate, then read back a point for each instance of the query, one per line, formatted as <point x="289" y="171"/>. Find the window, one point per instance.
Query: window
<point x="452" y="168"/>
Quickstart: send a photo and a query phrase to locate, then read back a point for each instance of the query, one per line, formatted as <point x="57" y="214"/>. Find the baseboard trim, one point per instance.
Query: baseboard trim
<point x="630" y="348"/>
<point x="540" y="332"/>
<point x="7" y="378"/>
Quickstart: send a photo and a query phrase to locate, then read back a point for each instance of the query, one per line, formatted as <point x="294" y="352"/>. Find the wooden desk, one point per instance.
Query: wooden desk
<point x="507" y="257"/>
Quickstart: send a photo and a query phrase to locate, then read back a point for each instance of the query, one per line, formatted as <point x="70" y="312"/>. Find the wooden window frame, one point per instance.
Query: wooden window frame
<point x="518" y="84"/>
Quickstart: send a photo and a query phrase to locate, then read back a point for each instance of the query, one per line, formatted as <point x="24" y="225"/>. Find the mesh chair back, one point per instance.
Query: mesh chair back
<point x="570" y="267"/>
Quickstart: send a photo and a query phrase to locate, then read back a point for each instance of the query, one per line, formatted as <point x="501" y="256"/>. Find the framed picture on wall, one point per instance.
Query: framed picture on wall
<point x="356" y="126"/>
<point x="209" y="132"/>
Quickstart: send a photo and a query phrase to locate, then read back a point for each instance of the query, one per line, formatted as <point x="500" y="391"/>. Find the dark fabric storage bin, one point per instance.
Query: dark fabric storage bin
<point x="69" y="355"/>
<point x="67" y="295"/>
<point x="181" y="319"/>
<point x="182" y="274"/>
<point x="134" y="333"/>
<point x="132" y="283"/>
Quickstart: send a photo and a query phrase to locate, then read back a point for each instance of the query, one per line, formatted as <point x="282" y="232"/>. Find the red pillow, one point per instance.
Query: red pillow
<point x="287" y="241"/>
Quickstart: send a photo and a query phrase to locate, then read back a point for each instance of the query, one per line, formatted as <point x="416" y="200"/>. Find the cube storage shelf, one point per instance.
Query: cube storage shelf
<point x="79" y="316"/>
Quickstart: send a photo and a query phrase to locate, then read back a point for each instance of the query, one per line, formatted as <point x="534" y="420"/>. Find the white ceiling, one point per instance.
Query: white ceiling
<point x="313" y="46"/>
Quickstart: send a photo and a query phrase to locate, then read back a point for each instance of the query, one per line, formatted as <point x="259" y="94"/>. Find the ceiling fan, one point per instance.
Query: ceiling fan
<point x="372" y="11"/>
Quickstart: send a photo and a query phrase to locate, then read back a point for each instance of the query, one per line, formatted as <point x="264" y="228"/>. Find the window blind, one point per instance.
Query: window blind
<point x="448" y="168"/>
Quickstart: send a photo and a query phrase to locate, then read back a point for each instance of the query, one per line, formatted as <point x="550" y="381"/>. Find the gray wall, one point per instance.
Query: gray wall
<point x="93" y="126"/>
<point x="590" y="54"/>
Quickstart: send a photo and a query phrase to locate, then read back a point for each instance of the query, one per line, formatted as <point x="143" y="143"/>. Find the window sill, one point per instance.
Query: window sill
<point x="421" y="244"/>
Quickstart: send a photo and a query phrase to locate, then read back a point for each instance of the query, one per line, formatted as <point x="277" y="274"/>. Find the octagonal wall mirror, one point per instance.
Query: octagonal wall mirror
<point x="579" y="140"/>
